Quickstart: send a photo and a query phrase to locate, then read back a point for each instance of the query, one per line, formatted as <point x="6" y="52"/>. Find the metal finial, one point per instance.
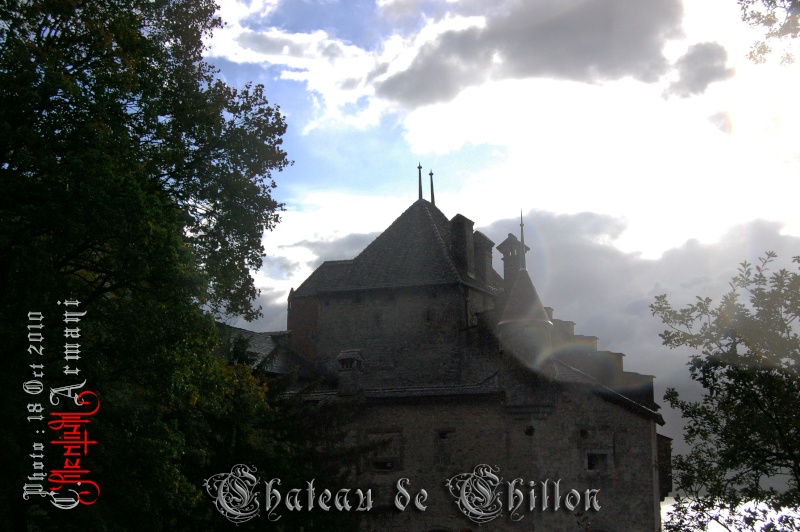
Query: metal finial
<point x="419" y="167"/>
<point x="433" y="198"/>
<point x="522" y="265"/>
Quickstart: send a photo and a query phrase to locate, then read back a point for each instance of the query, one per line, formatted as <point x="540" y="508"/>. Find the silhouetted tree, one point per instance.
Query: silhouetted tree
<point x="780" y="21"/>
<point x="134" y="181"/>
<point x="743" y="469"/>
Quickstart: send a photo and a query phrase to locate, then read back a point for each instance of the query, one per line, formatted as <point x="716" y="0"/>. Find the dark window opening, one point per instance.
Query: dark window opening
<point x="388" y="454"/>
<point x="597" y="461"/>
<point x="383" y="465"/>
<point x="529" y="430"/>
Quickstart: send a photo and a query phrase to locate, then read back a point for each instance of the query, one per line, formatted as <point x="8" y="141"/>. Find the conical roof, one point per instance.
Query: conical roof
<point x="523" y="302"/>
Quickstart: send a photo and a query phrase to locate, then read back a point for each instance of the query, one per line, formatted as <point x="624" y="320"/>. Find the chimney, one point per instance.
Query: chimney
<point x="483" y="255"/>
<point x="350" y="362"/>
<point x="462" y="246"/>
<point x="512" y="260"/>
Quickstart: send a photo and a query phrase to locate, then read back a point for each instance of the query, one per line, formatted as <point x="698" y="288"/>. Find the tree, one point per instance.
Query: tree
<point x="780" y="20"/>
<point x="743" y="469"/>
<point x="137" y="183"/>
<point x="95" y="92"/>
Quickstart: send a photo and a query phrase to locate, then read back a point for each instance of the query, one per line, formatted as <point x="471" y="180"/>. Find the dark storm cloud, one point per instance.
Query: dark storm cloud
<point x="273" y="314"/>
<point x="607" y="293"/>
<point x="581" y="40"/>
<point x="700" y="66"/>
<point x="274" y="310"/>
<point x="340" y="249"/>
<point x="278" y="267"/>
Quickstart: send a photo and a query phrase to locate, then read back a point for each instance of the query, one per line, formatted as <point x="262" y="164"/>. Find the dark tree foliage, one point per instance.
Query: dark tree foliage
<point x="780" y="21"/>
<point x="134" y="181"/>
<point x="743" y="470"/>
<point x="103" y="102"/>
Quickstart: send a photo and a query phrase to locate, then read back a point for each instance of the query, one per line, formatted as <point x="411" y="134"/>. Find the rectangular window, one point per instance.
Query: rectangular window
<point x="383" y="465"/>
<point x="598" y="461"/>
<point x="388" y="454"/>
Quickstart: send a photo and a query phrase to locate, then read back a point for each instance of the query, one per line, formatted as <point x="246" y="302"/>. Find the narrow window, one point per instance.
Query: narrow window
<point x="597" y="461"/>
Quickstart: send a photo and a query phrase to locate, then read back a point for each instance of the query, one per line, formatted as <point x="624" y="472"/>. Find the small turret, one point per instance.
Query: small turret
<point x="510" y="250"/>
<point x="524" y="325"/>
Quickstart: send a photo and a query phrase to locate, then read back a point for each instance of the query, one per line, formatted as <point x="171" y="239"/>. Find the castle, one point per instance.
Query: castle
<point x="458" y="368"/>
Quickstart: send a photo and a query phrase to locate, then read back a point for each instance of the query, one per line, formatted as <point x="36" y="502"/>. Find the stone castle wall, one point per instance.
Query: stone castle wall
<point x="433" y="440"/>
<point x="393" y="326"/>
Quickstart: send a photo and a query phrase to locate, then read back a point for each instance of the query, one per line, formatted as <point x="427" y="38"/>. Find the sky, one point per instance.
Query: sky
<point x="647" y="153"/>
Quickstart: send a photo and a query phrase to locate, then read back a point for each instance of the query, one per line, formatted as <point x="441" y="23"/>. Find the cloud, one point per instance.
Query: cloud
<point x="343" y="248"/>
<point x="701" y="65"/>
<point x="273" y="309"/>
<point x="607" y="292"/>
<point x="271" y="44"/>
<point x="333" y="70"/>
<point x="580" y="40"/>
<point x="277" y="267"/>
<point x="288" y="265"/>
<point x="415" y="57"/>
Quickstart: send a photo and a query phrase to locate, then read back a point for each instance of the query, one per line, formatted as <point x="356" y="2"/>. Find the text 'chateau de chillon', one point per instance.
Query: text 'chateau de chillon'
<point x="457" y="367"/>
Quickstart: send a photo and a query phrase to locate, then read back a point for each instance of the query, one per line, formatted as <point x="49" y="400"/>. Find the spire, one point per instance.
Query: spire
<point x="522" y="303"/>
<point x="433" y="198"/>
<point x="419" y="167"/>
<point x="522" y="265"/>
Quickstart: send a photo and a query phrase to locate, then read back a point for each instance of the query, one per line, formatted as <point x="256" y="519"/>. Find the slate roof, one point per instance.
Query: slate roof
<point x="413" y="251"/>
<point x="523" y="302"/>
<point x="488" y="387"/>
<point x="268" y="358"/>
<point x="567" y="374"/>
<point x="563" y="373"/>
<point x="330" y="275"/>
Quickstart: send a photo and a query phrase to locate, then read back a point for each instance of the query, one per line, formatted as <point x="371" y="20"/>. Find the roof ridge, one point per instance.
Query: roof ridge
<point x="447" y="258"/>
<point x="377" y="238"/>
